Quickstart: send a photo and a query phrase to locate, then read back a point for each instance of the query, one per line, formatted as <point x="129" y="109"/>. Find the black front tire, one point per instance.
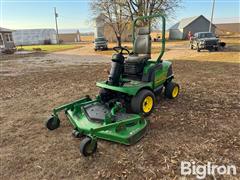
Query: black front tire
<point x="138" y="100"/>
<point x="52" y="123"/>
<point x="85" y="148"/>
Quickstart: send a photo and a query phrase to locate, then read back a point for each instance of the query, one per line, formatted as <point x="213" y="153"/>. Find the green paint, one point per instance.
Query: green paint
<point x="130" y="88"/>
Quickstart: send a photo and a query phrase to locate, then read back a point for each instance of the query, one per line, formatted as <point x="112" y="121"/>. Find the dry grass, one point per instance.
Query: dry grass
<point x="87" y="38"/>
<point x="178" y="50"/>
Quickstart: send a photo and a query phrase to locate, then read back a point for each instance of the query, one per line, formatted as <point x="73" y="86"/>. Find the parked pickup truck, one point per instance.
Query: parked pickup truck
<point x="204" y="40"/>
<point x="100" y="43"/>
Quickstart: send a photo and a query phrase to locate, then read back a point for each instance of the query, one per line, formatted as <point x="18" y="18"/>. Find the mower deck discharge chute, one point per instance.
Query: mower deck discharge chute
<point x="117" y="114"/>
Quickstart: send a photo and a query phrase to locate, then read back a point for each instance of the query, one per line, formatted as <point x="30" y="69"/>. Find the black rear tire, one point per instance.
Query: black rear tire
<point x="137" y="102"/>
<point x="52" y="123"/>
<point x="172" y="90"/>
<point x="85" y="147"/>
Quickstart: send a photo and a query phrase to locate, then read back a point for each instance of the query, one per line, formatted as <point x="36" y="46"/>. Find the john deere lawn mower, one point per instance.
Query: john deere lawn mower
<point x="128" y="95"/>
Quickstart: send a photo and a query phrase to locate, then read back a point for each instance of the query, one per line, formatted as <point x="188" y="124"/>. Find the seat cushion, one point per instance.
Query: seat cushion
<point x="135" y="58"/>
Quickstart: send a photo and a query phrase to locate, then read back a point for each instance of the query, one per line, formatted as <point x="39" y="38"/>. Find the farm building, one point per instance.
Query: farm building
<point x="35" y="36"/>
<point x="194" y="24"/>
<point x="69" y="36"/>
<point x="6" y="40"/>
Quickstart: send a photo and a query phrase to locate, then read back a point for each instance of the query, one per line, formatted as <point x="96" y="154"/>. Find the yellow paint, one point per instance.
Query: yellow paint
<point x="147" y="104"/>
<point x="175" y="91"/>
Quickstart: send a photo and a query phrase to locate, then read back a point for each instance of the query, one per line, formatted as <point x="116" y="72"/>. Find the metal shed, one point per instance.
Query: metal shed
<point x="194" y="24"/>
<point x="35" y="36"/>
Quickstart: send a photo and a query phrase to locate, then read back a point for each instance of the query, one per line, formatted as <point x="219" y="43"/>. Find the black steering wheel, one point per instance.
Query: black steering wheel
<point x="120" y="49"/>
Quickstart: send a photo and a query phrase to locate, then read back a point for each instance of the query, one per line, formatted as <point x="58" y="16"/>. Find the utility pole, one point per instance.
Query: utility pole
<point x="210" y="26"/>
<point x="56" y="16"/>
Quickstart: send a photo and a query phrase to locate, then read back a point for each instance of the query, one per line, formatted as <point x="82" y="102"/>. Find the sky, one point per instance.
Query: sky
<point x="76" y="14"/>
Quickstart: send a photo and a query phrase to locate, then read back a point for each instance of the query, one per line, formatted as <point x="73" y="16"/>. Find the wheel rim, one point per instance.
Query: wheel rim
<point x="147" y="104"/>
<point x="175" y="91"/>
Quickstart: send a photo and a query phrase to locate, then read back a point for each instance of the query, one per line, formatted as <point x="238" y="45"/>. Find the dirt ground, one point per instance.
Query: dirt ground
<point x="201" y="125"/>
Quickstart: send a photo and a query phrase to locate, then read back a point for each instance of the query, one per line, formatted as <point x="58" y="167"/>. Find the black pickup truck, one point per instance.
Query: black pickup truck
<point x="204" y="40"/>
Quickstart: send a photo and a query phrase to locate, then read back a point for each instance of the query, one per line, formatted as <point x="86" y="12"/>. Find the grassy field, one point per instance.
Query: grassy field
<point x="49" y="48"/>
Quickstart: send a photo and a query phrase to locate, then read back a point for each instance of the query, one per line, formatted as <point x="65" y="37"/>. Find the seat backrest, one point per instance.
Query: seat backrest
<point x="142" y="43"/>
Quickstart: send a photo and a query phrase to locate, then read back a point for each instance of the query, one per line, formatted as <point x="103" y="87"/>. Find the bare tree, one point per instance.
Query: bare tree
<point x="149" y="7"/>
<point x="118" y="13"/>
<point x="114" y="14"/>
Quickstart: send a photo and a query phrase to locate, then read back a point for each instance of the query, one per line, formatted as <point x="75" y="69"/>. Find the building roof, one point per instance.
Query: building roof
<point x="5" y="30"/>
<point x="68" y="31"/>
<point x="35" y="30"/>
<point x="185" y="22"/>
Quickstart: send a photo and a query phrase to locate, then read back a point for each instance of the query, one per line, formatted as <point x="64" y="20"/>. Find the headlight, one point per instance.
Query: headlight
<point x="202" y="42"/>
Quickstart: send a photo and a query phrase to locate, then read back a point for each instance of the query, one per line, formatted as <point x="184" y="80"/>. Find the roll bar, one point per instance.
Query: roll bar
<point x="163" y="31"/>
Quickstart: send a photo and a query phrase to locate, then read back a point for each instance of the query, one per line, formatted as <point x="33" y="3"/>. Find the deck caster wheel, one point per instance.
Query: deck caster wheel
<point x="87" y="146"/>
<point x="172" y="90"/>
<point x="52" y="123"/>
<point x="76" y="134"/>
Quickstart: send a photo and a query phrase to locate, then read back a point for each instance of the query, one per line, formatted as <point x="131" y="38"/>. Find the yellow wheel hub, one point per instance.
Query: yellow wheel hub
<point x="175" y="91"/>
<point x="147" y="104"/>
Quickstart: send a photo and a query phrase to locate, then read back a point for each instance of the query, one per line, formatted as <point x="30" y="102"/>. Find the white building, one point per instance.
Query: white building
<point x="35" y="36"/>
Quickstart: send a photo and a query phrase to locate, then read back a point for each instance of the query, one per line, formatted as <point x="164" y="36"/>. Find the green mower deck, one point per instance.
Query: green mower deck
<point x="122" y="127"/>
<point x="94" y="120"/>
